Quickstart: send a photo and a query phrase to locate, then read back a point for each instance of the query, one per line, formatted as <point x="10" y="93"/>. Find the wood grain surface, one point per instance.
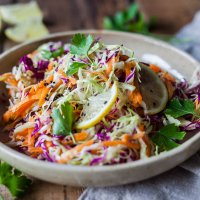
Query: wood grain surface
<point x="64" y="15"/>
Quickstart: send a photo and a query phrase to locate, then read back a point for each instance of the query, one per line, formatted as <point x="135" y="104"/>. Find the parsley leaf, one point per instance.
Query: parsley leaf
<point x="131" y="20"/>
<point x="14" y="180"/>
<point x="47" y="54"/>
<point x="74" y="67"/>
<point x="63" y="119"/>
<point x="177" y="108"/>
<point x="81" y="44"/>
<point x="166" y="136"/>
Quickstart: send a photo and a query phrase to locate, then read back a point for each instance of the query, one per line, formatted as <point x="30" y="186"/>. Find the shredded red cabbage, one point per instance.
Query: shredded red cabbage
<point x="38" y="72"/>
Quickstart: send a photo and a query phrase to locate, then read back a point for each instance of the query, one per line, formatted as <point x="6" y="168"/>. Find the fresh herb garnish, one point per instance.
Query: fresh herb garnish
<point x="74" y="67"/>
<point x="14" y="180"/>
<point x="177" y="108"/>
<point x="166" y="137"/>
<point x="131" y="20"/>
<point x="81" y="44"/>
<point x="47" y="54"/>
<point x="63" y="119"/>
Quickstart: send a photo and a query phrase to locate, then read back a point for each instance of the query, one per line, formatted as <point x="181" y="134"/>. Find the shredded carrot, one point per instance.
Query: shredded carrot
<point x="80" y="136"/>
<point x="61" y="72"/>
<point x="40" y="85"/>
<point x="111" y="63"/>
<point x="22" y="133"/>
<point x="95" y="151"/>
<point x="126" y="137"/>
<point x="18" y="109"/>
<point x="9" y="79"/>
<point x="149" y="145"/>
<point x="196" y="103"/>
<point x="66" y="157"/>
<point x="135" y="97"/>
<point x="119" y="142"/>
<point x="48" y="144"/>
<point x="34" y="150"/>
<point x="72" y="81"/>
<point x="79" y="147"/>
<point x="129" y="66"/>
<point x="141" y="127"/>
<point x="50" y="66"/>
<point x="31" y="139"/>
<point x="31" y="55"/>
<point x="168" y="77"/>
<point x="57" y="85"/>
<point x="44" y="93"/>
<point x="138" y="135"/>
<point x="111" y="116"/>
<point x="170" y="88"/>
<point x="50" y="78"/>
<point x="155" y="68"/>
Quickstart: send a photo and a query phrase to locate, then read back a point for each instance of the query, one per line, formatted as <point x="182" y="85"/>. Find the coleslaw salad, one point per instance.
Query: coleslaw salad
<point x="59" y="86"/>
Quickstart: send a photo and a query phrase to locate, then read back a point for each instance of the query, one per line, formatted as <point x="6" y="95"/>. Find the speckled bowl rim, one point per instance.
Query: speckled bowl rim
<point x="163" y="156"/>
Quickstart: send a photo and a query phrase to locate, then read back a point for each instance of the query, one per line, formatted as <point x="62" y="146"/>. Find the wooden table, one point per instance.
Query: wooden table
<point x="64" y="15"/>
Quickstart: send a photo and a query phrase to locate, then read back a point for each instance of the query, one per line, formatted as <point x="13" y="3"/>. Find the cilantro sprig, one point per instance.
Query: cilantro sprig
<point x="14" y="180"/>
<point x="167" y="136"/>
<point x="178" y="108"/>
<point x="131" y="20"/>
<point x="74" y="67"/>
<point x="63" y="119"/>
<point x="81" y="44"/>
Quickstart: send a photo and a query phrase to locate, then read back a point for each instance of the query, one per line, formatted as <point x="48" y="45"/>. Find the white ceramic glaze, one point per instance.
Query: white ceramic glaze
<point x="105" y="175"/>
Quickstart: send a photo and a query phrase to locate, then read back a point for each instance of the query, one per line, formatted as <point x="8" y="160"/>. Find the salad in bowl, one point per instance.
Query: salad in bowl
<point x="87" y="103"/>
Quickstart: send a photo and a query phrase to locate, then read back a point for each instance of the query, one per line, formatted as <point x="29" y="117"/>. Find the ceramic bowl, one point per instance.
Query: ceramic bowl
<point x="103" y="175"/>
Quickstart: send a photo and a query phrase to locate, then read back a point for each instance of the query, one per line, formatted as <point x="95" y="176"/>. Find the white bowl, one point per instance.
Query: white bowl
<point x="103" y="175"/>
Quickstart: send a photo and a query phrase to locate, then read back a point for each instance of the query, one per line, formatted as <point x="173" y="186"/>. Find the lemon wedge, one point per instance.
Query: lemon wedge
<point x="153" y="90"/>
<point x="16" y="14"/>
<point x="97" y="108"/>
<point x="27" y="31"/>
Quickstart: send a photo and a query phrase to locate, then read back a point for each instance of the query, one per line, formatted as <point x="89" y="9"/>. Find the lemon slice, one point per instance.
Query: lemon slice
<point x="27" y="31"/>
<point x="16" y="14"/>
<point x="97" y="108"/>
<point x="153" y="90"/>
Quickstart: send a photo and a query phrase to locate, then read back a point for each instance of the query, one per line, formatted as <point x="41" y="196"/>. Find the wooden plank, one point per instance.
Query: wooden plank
<point x="73" y="193"/>
<point x="41" y="190"/>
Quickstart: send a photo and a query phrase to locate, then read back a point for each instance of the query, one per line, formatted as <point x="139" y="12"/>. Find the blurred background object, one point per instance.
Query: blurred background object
<point x="147" y="16"/>
<point x="22" y="21"/>
<point x="155" y="16"/>
<point x="170" y="15"/>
